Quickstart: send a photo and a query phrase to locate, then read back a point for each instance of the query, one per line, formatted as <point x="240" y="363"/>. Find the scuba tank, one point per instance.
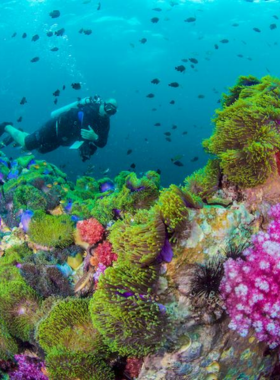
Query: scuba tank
<point x="82" y="102"/>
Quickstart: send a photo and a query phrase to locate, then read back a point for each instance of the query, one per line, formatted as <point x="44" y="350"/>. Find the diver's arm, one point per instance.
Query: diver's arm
<point x="102" y="131"/>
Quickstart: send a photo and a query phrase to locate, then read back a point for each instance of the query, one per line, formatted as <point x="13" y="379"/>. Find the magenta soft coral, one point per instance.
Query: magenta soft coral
<point x="251" y="287"/>
<point x="91" y="231"/>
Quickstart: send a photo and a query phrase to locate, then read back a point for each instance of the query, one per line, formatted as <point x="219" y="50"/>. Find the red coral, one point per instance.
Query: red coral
<point x="104" y="253"/>
<point x="91" y="230"/>
<point x="133" y="367"/>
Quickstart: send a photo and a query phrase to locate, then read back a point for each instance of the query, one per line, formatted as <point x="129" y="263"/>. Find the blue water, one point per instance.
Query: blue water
<point x="113" y="63"/>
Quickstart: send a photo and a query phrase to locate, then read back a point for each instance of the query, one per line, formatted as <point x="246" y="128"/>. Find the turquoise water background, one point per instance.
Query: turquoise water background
<point x="113" y="62"/>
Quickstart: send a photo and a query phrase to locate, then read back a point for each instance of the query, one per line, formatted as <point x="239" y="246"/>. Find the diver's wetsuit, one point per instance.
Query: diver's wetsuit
<point x="66" y="129"/>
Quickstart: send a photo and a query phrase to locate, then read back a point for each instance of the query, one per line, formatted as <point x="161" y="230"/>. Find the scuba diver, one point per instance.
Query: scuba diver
<point x="82" y="125"/>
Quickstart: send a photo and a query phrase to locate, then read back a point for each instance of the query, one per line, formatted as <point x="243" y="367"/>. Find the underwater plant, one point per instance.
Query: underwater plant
<point x="123" y="310"/>
<point x="138" y="239"/>
<point x="18" y="305"/>
<point x="250" y="287"/>
<point x="51" y="231"/>
<point x="246" y="136"/>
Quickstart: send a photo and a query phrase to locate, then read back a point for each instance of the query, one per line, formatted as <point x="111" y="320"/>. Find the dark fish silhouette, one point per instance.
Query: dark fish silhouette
<point x="216" y="46"/>
<point x="54" y="14"/>
<point x="201" y="96"/>
<point x="240" y="55"/>
<point x="190" y="19"/>
<point x="158" y="171"/>
<point x="174" y="126"/>
<point x="184" y="60"/>
<point x="168" y="139"/>
<point x="224" y="41"/>
<point x="49" y="34"/>
<point x="157" y="9"/>
<point x="55" y="49"/>
<point x="150" y="96"/>
<point x="19" y="120"/>
<point x="133" y="166"/>
<point x="98" y="6"/>
<point x="155" y="20"/>
<point x="180" y="68"/>
<point x="194" y="159"/>
<point x="35" y="37"/>
<point x="185" y="133"/>
<point x="24" y="35"/>
<point x="35" y="59"/>
<point x="172" y="102"/>
<point x="235" y="24"/>
<point x="167" y="133"/>
<point x="273" y="26"/>
<point x="257" y="30"/>
<point x="23" y="101"/>
<point x="157" y="124"/>
<point x="143" y="40"/>
<point x="155" y="81"/>
<point x="193" y="60"/>
<point x="56" y="93"/>
<point x="87" y="32"/>
<point x="14" y="34"/>
<point x="60" y="32"/>
<point x="276" y="17"/>
<point x="76" y="86"/>
<point x="178" y="163"/>
<point x="174" y="84"/>
<point x="129" y="151"/>
<point x="63" y="88"/>
<point x="55" y="101"/>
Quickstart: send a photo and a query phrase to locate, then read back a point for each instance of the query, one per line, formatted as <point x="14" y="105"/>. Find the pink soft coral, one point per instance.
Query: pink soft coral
<point x="133" y="367"/>
<point x="104" y="253"/>
<point x="251" y="287"/>
<point x="91" y="231"/>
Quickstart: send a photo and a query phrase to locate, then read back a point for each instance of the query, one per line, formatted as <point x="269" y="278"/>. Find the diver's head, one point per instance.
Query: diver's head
<point x="110" y="106"/>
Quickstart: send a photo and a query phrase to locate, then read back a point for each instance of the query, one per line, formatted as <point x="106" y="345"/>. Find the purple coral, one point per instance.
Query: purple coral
<point x="29" y="368"/>
<point x="251" y="287"/>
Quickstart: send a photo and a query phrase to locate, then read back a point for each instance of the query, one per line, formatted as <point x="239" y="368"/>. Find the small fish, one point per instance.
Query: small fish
<point x="168" y="139"/>
<point x="172" y="102"/>
<point x="178" y="163"/>
<point x="176" y="158"/>
<point x="55" y="101"/>
<point x="193" y="60"/>
<point x="56" y="93"/>
<point x="235" y="25"/>
<point x="174" y="84"/>
<point x="35" y="59"/>
<point x="184" y="60"/>
<point x="24" y="35"/>
<point x="158" y="171"/>
<point x="194" y="159"/>
<point x="157" y="124"/>
<point x="180" y="68"/>
<point x="174" y="126"/>
<point x="63" y="88"/>
<point x="190" y="19"/>
<point x="23" y="101"/>
<point x="106" y="171"/>
<point x="272" y="26"/>
<point x="132" y="45"/>
<point x="76" y="86"/>
<point x="154" y="109"/>
<point x="185" y="133"/>
<point x="157" y="9"/>
<point x="201" y="96"/>
<point x="167" y="133"/>
<point x="216" y="46"/>
<point x="55" y="49"/>
<point x="276" y="17"/>
<point x="14" y="34"/>
<point x="35" y="38"/>
<point x="49" y="34"/>
<point x="98" y="7"/>
<point x="133" y="166"/>
<point x="19" y="120"/>
<point x="150" y="96"/>
<point x="49" y="186"/>
<point x="240" y="55"/>
<point x="143" y="40"/>
<point x="155" y="81"/>
<point x="155" y="20"/>
<point x="257" y="30"/>
<point x="129" y="151"/>
<point x="87" y="32"/>
<point x="60" y="32"/>
<point x="54" y="14"/>
<point x="224" y="41"/>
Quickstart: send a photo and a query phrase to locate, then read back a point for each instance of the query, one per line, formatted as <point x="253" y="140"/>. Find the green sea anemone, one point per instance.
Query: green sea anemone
<point x="65" y="364"/>
<point x="15" y="254"/>
<point x="18" y="305"/>
<point x="124" y="312"/>
<point x="8" y="346"/>
<point x="51" y="231"/>
<point x="28" y="197"/>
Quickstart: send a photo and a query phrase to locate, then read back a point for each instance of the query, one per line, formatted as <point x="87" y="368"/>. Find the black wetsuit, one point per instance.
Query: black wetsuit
<point x="66" y="129"/>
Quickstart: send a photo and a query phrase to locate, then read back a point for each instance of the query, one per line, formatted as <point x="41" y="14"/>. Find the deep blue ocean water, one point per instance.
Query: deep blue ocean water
<point x="112" y="62"/>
